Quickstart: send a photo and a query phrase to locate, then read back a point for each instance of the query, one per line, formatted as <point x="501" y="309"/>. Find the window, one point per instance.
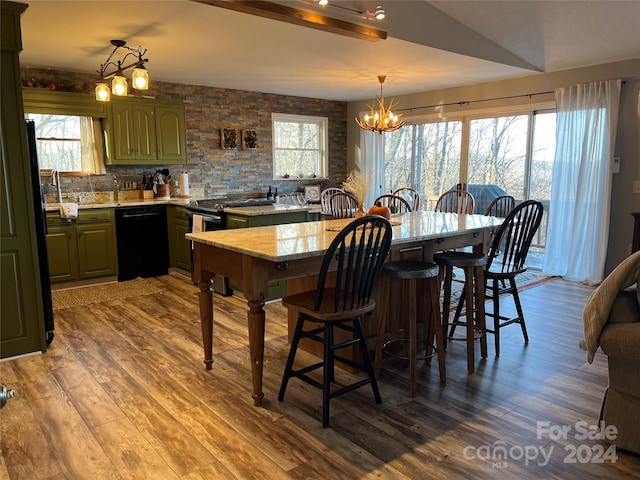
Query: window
<point x="513" y="151"/>
<point x="69" y="143"/>
<point x="300" y="145"/>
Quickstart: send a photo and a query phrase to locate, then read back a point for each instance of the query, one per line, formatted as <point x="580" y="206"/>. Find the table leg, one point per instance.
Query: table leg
<point x="255" y="282"/>
<point x="256" y="319"/>
<point x="205" y="299"/>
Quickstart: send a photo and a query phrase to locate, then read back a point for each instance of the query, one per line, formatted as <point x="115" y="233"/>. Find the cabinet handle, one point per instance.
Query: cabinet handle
<point x="410" y="249"/>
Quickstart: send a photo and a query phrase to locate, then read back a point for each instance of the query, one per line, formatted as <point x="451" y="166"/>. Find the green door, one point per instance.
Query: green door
<point x="21" y="310"/>
<point x="122" y="132"/>
<point x="145" y="132"/>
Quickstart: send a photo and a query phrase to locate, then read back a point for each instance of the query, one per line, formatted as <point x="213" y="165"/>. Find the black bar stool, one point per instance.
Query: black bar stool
<point x="473" y="265"/>
<point x="411" y="272"/>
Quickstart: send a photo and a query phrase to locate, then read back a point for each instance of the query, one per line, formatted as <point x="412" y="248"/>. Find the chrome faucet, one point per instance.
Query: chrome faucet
<point x="55" y="182"/>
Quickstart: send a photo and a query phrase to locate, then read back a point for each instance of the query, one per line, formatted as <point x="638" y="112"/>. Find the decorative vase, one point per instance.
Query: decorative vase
<point x="360" y="212"/>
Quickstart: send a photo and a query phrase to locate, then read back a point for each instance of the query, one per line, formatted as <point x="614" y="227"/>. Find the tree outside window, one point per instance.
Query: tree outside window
<point x="299" y="146"/>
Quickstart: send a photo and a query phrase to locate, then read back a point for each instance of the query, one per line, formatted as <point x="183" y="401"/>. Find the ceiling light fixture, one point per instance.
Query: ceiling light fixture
<point x="378" y="13"/>
<point x="139" y="76"/>
<point x="323" y="2"/>
<point x="382" y="119"/>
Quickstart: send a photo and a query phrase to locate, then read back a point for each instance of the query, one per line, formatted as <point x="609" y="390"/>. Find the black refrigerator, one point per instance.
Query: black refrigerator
<point x="41" y="232"/>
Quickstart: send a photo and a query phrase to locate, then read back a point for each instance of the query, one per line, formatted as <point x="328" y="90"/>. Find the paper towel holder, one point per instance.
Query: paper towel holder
<point x="184" y="184"/>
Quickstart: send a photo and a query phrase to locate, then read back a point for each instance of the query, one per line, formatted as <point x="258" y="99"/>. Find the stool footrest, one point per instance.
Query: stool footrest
<point x="476" y="336"/>
<point x="386" y="345"/>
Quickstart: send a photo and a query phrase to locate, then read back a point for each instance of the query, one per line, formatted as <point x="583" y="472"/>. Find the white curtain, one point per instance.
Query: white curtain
<point x="91" y="146"/>
<point x="578" y="226"/>
<point x="372" y="164"/>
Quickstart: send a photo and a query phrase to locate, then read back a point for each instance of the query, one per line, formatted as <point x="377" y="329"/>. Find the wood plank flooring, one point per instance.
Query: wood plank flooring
<point x="123" y="394"/>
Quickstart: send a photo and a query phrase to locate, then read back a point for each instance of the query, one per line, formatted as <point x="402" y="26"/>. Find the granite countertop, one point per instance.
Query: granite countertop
<point x="267" y="209"/>
<point x="54" y="207"/>
<point x="300" y="240"/>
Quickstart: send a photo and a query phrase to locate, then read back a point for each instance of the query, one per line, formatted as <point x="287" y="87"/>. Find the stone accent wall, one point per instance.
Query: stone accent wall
<point x="208" y="109"/>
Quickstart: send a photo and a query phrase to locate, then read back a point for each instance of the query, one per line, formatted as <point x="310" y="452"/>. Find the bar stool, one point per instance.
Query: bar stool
<point x="411" y="272"/>
<point x="473" y="265"/>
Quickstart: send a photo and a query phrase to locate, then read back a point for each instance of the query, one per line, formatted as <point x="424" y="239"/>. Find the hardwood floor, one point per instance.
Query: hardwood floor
<point x="123" y="393"/>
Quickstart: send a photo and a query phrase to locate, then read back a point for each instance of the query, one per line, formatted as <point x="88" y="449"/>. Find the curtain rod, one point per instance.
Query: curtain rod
<point x="469" y="102"/>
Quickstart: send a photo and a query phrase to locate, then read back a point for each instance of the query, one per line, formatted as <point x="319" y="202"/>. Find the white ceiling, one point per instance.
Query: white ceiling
<point x="430" y="45"/>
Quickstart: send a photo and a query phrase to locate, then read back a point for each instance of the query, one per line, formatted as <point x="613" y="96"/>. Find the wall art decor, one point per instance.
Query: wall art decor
<point x="312" y="193"/>
<point x="250" y="138"/>
<point x="228" y="138"/>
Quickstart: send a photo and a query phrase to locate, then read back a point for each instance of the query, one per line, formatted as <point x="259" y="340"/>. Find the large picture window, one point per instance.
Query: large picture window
<point x="299" y="146"/>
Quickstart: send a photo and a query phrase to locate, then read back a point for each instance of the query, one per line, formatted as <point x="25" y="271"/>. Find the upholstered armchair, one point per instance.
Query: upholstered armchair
<point x="611" y="320"/>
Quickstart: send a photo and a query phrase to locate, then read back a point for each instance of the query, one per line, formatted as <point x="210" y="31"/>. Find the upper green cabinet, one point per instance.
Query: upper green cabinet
<point x="132" y="134"/>
<point x="141" y="131"/>
<point x="170" y="134"/>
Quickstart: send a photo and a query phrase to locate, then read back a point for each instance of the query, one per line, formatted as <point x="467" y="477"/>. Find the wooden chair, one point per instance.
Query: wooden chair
<point x="455" y="201"/>
<point x="356" y="255"/>
<point x="501" y="206"/>
<point x="395" y="203"/>
<point x="473" y="265"/>
<point x="506" y="259"/>
<point x="410" y="195"/>
<point x="325" y="195"/>
<point x="343" y="205"/>
<point x="421" y="278"/>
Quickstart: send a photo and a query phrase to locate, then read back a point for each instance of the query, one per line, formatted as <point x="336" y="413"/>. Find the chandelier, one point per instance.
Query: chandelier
<point x="139" y="76"/>
<point x="381" y="119"/>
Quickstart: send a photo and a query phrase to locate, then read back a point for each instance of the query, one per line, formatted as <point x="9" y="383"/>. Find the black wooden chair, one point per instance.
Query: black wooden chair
<point x="505" y="260"/>
<point x="356" y="255"/>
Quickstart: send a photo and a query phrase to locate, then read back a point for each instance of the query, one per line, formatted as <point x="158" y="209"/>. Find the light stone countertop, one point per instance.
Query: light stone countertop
<point x="279" y="243"/>
<point x="272" y="209"/>
<point x="53" y="207"/>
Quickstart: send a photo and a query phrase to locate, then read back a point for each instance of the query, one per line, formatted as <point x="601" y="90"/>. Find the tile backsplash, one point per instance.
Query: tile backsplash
<point x="212" y="170"/>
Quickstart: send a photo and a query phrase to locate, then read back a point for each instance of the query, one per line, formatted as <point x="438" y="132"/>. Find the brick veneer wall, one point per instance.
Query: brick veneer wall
<point x="208" y="109"/>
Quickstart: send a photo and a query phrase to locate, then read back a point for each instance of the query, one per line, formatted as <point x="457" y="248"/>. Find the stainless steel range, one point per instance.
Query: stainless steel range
<point x="212" y="212"/>
<point x="216" y="205"/>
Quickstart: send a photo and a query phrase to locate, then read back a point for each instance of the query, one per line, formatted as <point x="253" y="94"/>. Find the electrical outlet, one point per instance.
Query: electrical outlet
<point x="636" y="187"/>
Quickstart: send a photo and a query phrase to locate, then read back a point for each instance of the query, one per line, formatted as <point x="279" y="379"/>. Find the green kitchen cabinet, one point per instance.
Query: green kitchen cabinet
<point x="133" y="133"/>
<point x="171" y="134"/>
<point x="241" y="221"/>
<point x="96" y="250"/>
<point x="179" y="246"/>
<point x="277" y="288"/>
<point x="83" y="248"/>
<point x="141" y="131"/>
<point x="62" y="250"/>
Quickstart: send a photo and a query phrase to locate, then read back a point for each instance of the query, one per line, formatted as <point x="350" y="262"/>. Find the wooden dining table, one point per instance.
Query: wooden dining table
<point x="256" y="256"/>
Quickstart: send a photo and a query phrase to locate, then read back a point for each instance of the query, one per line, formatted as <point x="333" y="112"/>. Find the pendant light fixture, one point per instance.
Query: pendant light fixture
<point x="380" y="118"/>
<point x="119" y="84"/>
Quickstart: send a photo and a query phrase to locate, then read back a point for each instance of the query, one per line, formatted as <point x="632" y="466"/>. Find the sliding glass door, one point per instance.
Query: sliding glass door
<point x="487" y="154"/>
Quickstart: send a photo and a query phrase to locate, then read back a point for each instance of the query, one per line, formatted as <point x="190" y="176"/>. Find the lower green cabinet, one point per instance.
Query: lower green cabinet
<point x="82" y="248"/>
<point x="179" y="246"/>
<point x="240" y="221"/>
<point x="62" y="249"/>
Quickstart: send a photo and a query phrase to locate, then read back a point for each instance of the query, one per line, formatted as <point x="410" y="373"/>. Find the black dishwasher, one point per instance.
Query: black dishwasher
<point x="143" y="241"/>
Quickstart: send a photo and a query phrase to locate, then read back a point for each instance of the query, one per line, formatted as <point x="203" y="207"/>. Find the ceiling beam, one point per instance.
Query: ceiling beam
<point x="302" y="18"/>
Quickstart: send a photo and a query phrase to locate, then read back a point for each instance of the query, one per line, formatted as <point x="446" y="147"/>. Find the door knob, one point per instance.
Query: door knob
<point x="5" y="395"/>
